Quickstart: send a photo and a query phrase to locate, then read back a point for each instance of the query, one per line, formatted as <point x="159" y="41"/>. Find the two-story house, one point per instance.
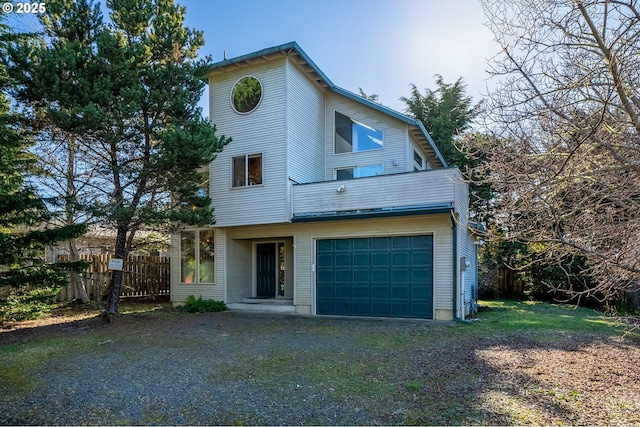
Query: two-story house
<point x="325" y="202"/>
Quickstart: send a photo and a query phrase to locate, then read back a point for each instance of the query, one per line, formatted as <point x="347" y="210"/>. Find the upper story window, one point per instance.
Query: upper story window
<point x="352" y="136"/>
<point x="358" y="172"/>
<point x="203" y="188"/>
<point x="246" y="170"/>
<point x="246" y="94"/>
<point x="418" y="161"/>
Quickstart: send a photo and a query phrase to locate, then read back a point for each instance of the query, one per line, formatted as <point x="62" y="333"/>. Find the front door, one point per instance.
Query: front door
<point x="266" y="286"/>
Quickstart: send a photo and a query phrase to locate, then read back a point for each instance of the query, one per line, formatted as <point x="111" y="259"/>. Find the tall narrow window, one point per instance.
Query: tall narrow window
<point x="352" y="136"/>
<point x="206" y="256"/>
<point x="418" y="162"/>
<point x="188" y="256"/>
<point x="203" y="191"/>
<point x="197" y="256"/>
<point x="247" y="170"/>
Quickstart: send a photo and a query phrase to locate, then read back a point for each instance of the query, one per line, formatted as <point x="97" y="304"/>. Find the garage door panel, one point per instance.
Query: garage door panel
<point x="380" y="243"/>
<point x="400" y="292"/>
<point x="361" y="308"/>
<point x="343" y="245"/>
<point x="420" y="293"/>
<point x="362" y="276"/>
<point x="400" y="275"/>
<point x="400" y="242"/>
<point x="401" y="309"/>
<point x="362" y="292"/>
<point x="401" y="259"/>
<point x="380" y="292"/>
<point x="380" y="309"/>
<point x="361" y="244"/>
<point x="421" y="275"/>
<point x="342" y="260"/>
<point x="325" y="260"/>
<point x="342" y="276"/>
<point x="380" y="259"/>
<point x="343" y="291"/>
<point x="420" y="258"/>
<point x="361" y="259"/>
<point x="422" y="242"/>
<point x="379" y="276"/>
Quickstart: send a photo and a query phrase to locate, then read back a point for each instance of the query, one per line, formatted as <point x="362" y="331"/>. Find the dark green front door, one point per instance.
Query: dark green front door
<point x="266" y="280"/>
<point x="376" y="276"/>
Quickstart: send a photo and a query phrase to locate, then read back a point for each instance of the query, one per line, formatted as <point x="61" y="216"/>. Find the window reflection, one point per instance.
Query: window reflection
<point x="187" y="256"/>
<point x="207" y="256"/>
<point x="246" y="94"/>
<point x="358" y="172"/>
<point x="353" y="136"/>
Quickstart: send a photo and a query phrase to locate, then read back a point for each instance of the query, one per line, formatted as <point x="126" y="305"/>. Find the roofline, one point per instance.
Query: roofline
<point x="348" y="94"/>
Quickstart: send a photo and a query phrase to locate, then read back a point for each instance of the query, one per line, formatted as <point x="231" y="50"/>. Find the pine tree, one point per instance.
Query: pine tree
<point x="128" y="91"/>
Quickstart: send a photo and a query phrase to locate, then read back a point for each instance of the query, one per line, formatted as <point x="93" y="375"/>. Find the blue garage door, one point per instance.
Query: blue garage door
<point x="376" y="276"/>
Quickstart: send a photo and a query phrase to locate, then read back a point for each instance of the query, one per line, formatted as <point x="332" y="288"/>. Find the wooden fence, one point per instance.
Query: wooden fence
<point x="146" y="276"/>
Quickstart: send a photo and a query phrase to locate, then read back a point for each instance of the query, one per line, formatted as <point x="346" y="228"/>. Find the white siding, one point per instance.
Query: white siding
<point x="305" y="125"/>
<point x="466" y="248"/>
<point x="261" y="131"/>
<point x="238" y="264"/>
<point x="394" y="132"/>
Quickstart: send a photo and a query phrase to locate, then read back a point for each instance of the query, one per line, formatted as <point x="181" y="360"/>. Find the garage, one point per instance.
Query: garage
<point x="375" y="276"/>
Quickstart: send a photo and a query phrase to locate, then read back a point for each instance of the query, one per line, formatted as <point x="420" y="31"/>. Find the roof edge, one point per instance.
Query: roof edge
<point x="348" y="94"/>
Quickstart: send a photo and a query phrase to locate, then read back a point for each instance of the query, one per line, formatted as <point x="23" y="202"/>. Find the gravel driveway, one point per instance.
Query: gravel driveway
<point x="223" y="368"/>
<point x="232" y="368"/>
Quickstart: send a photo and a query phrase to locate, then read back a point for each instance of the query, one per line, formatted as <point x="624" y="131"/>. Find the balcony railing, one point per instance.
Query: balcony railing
<point x="427" y="188"/>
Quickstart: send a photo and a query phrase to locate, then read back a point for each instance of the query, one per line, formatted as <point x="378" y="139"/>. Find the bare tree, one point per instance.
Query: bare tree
<point x="566" y="115"/>
<point x="68" y="174"/>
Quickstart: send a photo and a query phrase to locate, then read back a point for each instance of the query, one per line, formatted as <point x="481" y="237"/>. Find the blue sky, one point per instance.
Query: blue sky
<point x="380" y="46"/>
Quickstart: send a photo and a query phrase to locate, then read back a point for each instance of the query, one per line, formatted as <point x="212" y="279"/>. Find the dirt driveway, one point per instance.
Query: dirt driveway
<point x="255" y="369"/>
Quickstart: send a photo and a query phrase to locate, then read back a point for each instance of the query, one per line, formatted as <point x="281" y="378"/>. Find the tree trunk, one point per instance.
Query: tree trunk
<point x="115" y="286"/>
<point x="77" y="280"/>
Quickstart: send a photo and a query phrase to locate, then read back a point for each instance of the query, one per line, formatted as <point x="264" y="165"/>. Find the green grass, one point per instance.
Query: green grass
<point x="512" y="316"/>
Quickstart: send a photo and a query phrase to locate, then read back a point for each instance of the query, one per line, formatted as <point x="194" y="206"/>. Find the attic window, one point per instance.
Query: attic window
<point x="352" y="136"/>
<point x="246" y="95"/>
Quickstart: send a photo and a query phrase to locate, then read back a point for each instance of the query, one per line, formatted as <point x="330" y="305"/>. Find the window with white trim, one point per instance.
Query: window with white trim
<point x="246" y="170"/>
<point x="197" y="256"/>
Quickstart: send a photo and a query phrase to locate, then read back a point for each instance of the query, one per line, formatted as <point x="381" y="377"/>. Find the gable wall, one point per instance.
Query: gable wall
<point x="394" y="133"/>
<point x="261" y="131"/>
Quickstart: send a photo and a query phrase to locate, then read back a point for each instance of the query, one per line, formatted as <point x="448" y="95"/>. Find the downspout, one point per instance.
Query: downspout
<point x="454" y="227"/>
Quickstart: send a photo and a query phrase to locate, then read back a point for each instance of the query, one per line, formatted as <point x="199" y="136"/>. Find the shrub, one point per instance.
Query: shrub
<point x="193" y="305"/>
<point x="27" y="304"/>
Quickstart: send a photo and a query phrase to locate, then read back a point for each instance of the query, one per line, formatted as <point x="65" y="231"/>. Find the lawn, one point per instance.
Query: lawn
<point x="517" y="363"/>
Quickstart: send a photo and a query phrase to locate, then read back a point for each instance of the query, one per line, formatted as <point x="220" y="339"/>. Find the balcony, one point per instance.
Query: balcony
<point x="433" y="190"/>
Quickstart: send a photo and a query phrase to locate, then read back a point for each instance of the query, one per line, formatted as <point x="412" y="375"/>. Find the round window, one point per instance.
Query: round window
<point x="246" y="94"/>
